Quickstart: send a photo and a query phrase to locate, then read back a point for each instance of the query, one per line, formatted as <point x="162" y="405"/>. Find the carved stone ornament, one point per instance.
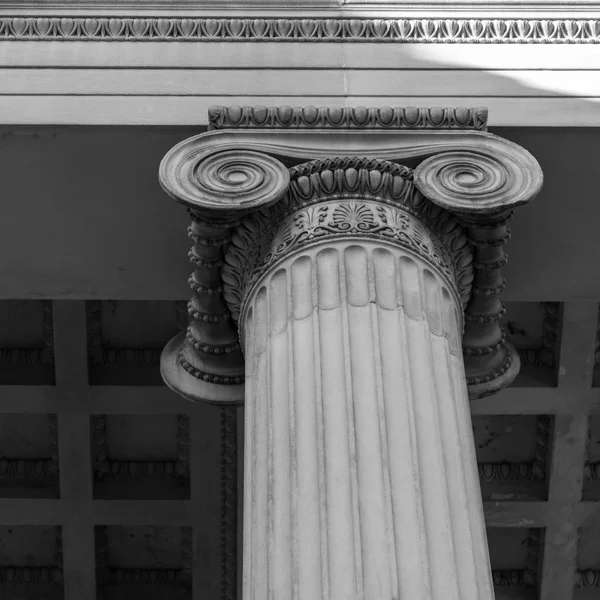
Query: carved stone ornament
<point x="385" y="117"/>
<point x="270" y="179"/>
<point x="346" y="197"/>
<point x="424" y="30"/>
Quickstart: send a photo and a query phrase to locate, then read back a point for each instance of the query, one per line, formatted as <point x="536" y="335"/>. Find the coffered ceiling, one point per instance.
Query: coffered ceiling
<point x="112" y="485"/>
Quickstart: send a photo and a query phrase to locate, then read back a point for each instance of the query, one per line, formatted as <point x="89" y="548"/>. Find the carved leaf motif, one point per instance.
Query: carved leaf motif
<point x="308" y="27"/>
<point x="67" y="26"/>
<point x="405" y="28"/>
<point x="115" y="26"/>
<point x="525" y="28"/>
<point x="332" y="27"/>
<point x="476" y="28"/>
<point x="42" y="26"/>
<point x="380" y="27"/>
<point x="18" y="26"/>
<point x="309" y="221"/>
<point x="451" y="29"/>
<point x="163" y="27"/>
<point x="259" y="27"/>
<point x="283" y="27"/>
<point x="428" y="28"/>
<point x="91" y="26"/>
<point x="499" y="29"/>
<point x="186" y="27"/>
<point x="393" y="218"/>
<point x="355" y="27"/>
<point x="421" y="238"/>
<point x="138" y="26"/>
<point x="236" y="27"/>
<point x="592" y="28"/>
<point x="211" y="26"/>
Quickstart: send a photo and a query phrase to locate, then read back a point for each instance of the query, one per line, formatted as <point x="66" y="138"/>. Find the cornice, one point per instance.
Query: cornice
<point x="107" y="28"/>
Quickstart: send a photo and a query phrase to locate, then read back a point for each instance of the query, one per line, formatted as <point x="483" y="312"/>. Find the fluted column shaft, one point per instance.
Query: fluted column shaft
<point x="360" y="473"/>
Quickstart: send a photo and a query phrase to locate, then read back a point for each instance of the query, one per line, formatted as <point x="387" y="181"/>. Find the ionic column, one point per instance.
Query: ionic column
<point x="366" y="300"/>
<point x="360" y="472"/>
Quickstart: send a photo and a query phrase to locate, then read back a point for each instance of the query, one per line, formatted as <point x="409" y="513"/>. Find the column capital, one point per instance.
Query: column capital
<point x="472" y="178"/>
<point x="341" y="198"/>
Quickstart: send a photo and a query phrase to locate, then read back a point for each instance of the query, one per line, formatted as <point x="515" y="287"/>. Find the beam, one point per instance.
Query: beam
<point x="56" y="109"/>
<point x="515" y="514"/>
<point x="76" y="492"/>
<point x="206" y="498"/>
<point x="569" y="442"/>
<point x="218" y="55"/>
<point x="158" y="400"/>
<point x="178" y="513"/>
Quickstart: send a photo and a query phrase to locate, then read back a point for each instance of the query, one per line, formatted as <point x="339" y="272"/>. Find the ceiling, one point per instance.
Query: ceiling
<point x="111" y="484"/>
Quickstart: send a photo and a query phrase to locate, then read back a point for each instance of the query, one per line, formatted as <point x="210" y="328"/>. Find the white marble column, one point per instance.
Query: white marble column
<point x="348" y="275"/>
<point x="360" y="474"/>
